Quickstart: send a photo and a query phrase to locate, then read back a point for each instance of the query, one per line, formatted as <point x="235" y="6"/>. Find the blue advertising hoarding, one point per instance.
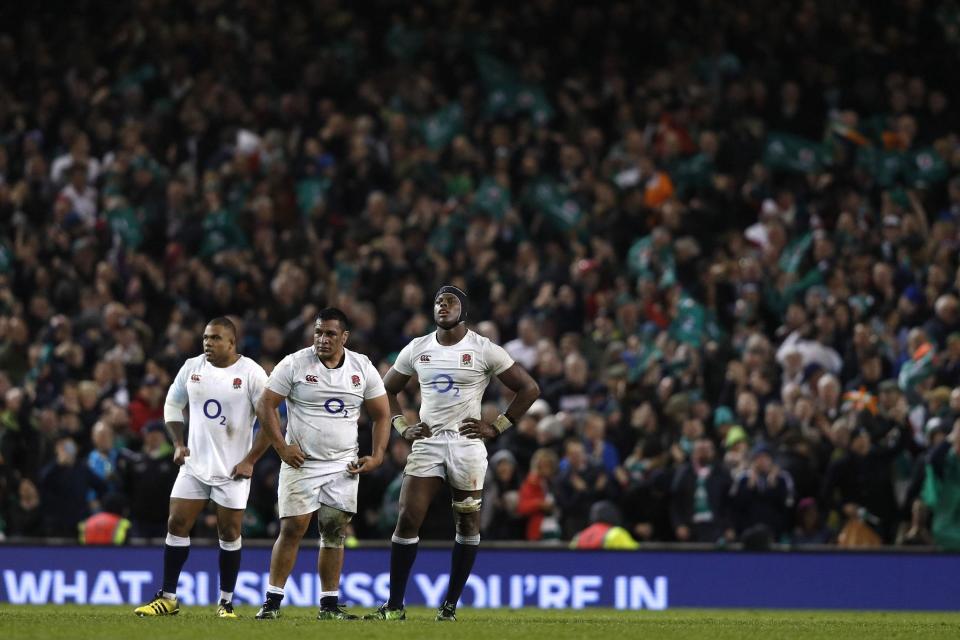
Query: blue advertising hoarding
<point x="507" y="578"/>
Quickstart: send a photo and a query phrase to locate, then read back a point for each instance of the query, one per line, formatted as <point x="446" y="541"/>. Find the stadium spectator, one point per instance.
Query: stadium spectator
<point x="147" y="404"/>
<point x="646" y="492"/>
<point x="604" y="531"/>
<point x="810" y="528"/>
<point x="536" y="501"/>
<point x="917" y="532"/>
<point x="763" y="495"/>
<point x="582" y="482"/>
<point x="102" y="461"/>
<point x="940" y="491"/>
<point x="66" y="487"/>
<point x="25" y="516"/>
<point x="377" y="498"/>
<point x="522" y="442"/>
<point x="859" y="484"/>
<point x="699" y="502"/>
<point x="147" y="477"/>
<point x="501" y="495"/>
<point x="597" y="447"/>
<point x="108" y="526"/>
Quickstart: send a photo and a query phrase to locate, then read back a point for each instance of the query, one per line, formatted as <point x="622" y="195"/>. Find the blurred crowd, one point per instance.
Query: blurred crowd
<point x="723" y="237"/>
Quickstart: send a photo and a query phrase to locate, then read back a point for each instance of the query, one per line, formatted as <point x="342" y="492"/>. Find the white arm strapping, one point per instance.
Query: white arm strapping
<point x="173" y="412"/>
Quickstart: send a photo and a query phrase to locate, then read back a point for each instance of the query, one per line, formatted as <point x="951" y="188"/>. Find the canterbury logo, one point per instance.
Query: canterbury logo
<point x="312" y="379"/>
<point x="194" y="377"/>
<point x="424" y="358"/>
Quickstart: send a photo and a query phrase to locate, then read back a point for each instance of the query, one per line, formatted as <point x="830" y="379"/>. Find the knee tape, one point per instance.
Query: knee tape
<point x="467" y="505"/>
<point x="472" y="540"/>
<point x="231" y="545"/>
<point x="177" y="541"/>
<point x="333" y="526"/>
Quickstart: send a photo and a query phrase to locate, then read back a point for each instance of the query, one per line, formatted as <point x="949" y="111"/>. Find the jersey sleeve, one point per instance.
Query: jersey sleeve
<point x="256" y="383"/>
<point x="404" y="362"/>
<point x="497" y="359"/>
<point x="177" y="393"/>
<point x="281" y="379"/>
<point x="374" y="388"/>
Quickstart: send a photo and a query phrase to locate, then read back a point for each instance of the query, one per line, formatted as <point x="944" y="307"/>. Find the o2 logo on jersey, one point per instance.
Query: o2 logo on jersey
<point x="355" y="381"/>
<point x="466" y="360"/>
<point x="312" y="379"/>
<point x="335" y="406"/>
<point x="443" y="383"/>
<point x="237" y="382"/>
<point x="214" y="410"/>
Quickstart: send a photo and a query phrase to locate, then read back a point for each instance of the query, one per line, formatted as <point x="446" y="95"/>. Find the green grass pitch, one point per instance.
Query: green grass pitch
<point x="105" y="623"/>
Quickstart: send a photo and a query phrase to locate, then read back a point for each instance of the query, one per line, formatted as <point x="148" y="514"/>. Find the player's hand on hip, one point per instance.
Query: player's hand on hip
<point x="477" y="430"/>
<point x="418" y="431"/>
<point x="365" y="464"/>
<point x="243" y="469"/>
<point x="292" y="455"/>
<point x="180" y="455"/>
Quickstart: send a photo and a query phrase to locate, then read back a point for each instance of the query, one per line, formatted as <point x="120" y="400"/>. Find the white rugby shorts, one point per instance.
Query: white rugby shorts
<point x="303" y="490"/>
<point x="232" y="494"/>
<point x="462" y="462"/>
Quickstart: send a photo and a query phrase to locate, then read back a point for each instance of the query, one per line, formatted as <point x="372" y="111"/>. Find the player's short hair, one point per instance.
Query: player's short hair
<point x="332" y="313"/>
<point x="223" y="321"/>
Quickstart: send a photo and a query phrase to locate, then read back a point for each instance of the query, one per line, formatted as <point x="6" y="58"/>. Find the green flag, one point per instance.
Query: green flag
<point x="556" y="203"/>
<point x="403" y="42"/>
<point x="792" y="153"/>
<point x="310" y="192"/>
<point x="925" y="167"/>
<point x="442" y="126"/>
<point x="492" y="199"/>
<point x="942" y="495"/>
<point x="221" y="233"/>
<point x="690" y="324"/>
<point x="6" y="258"/>
<point x="886" y="167"/>
<point x="125" y="223"/>
<point x="793" y="254"/>
<point x="915" y="370"/>
<point x="508" y="94"/>
<point x="692" y="173"/>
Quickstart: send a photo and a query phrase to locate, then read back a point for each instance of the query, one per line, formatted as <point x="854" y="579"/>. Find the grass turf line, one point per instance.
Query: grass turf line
<point x="198" y="622"/>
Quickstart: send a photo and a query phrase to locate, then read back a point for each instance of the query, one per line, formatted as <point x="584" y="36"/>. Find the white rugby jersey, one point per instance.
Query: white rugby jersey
<point x="323" y="404"/>
<point x="452" y="379"/>
<point x="222" y="403"/>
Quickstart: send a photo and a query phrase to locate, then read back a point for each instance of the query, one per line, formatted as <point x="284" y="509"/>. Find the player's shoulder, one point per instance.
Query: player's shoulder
<point x="479" y="341"/>
<point x="195" y="362"/>
<point x="357" y="358"/>
<point x="422" y="343"/>
<point x="293" y="362"/>
<point x="307" y="354"/>
<point x="251" y="365"/>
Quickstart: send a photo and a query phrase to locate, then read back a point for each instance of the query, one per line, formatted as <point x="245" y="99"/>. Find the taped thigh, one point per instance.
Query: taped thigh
<point x="333" y="526"/>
